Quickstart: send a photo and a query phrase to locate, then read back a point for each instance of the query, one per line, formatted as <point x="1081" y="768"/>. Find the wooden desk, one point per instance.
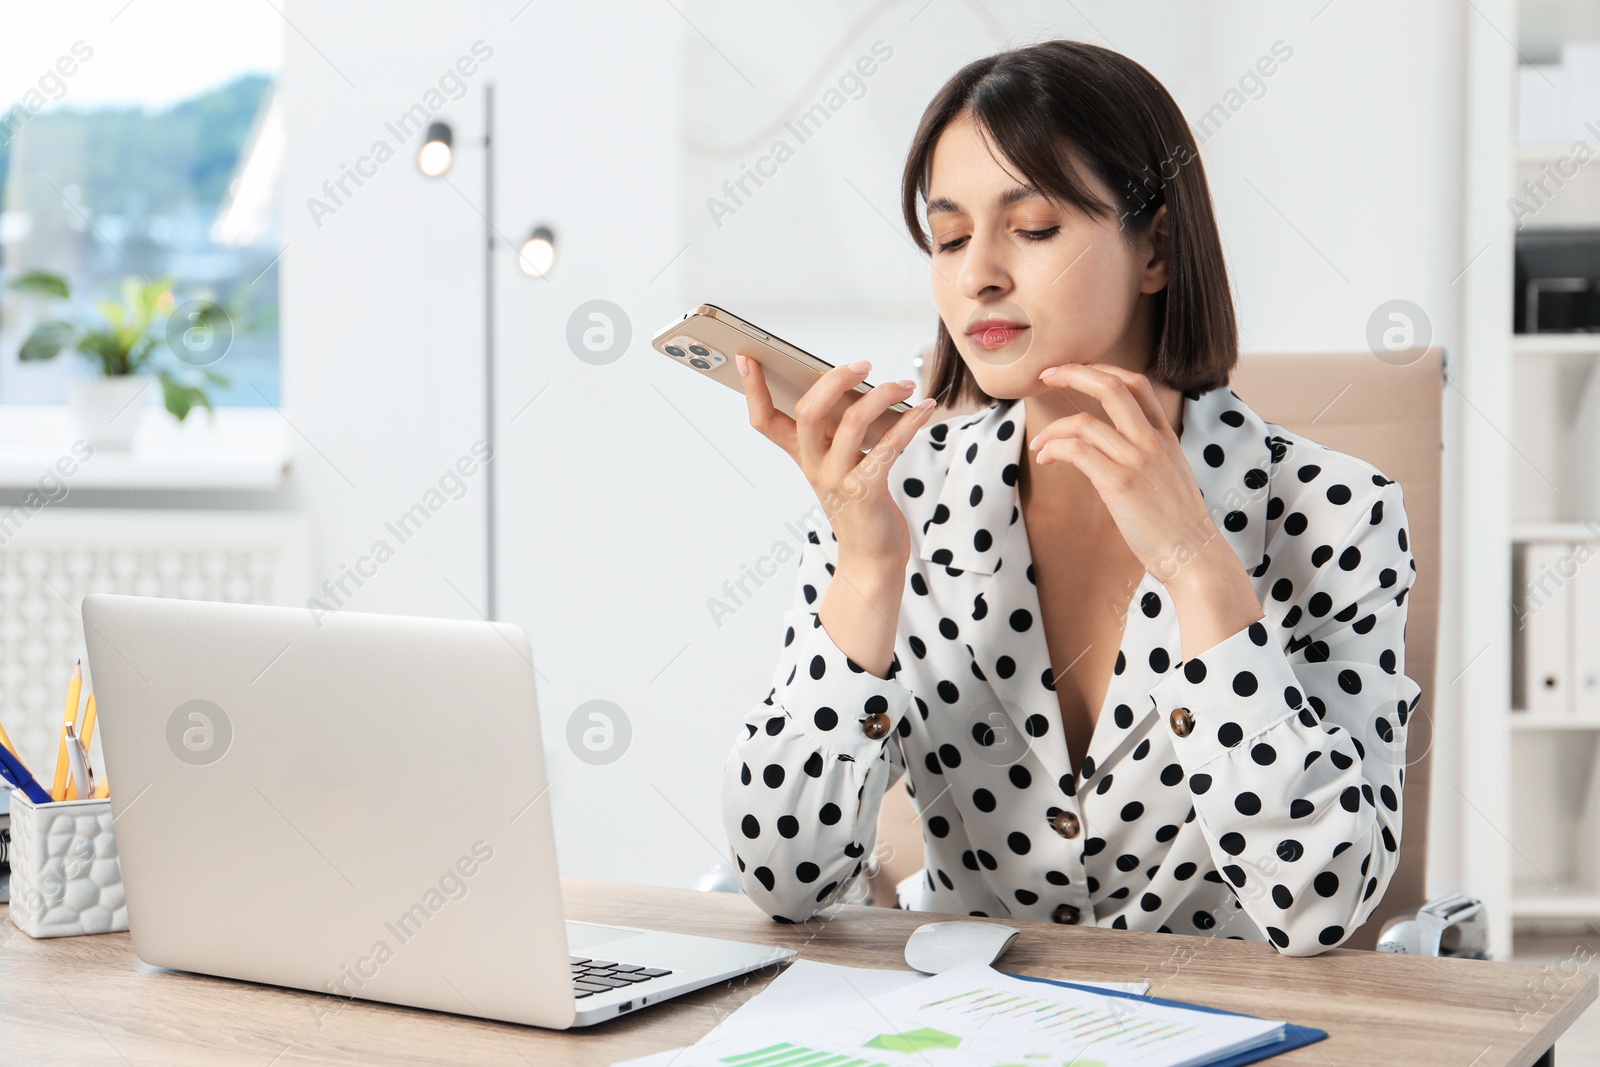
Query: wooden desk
<point x="88" y="1000"/>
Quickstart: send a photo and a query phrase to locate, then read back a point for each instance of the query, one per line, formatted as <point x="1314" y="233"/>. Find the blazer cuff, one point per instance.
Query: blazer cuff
<point x="837" y="696"/>
<point x="1240" y="687"/>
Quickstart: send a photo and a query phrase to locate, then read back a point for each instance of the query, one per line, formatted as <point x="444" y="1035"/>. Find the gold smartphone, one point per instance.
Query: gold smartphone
<point x="706" y="339"/>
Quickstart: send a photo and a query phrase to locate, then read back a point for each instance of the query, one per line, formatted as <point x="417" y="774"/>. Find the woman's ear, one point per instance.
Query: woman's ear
<point x="1157" y="249"/>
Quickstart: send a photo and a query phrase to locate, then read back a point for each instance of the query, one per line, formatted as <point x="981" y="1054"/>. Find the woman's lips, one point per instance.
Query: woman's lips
<point x="996" y="335"/>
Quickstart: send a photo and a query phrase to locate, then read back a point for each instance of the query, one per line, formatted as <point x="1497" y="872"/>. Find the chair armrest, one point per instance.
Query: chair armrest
<point x="1454" y="924"/>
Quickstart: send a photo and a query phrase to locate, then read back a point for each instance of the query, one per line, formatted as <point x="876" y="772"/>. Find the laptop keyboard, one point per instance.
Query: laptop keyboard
<point x="596" y="976"/>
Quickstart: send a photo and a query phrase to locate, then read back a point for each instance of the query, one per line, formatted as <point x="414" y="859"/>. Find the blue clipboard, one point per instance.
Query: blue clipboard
<point x="1293" y="1036"/>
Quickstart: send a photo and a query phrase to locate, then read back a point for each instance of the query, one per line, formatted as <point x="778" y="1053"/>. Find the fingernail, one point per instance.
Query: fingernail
<point x="1046" y="372"/>
<point x="1033" y="443"/>
<point x="738" y="359"/>
<point x="926" y="405"/>
<point x="860" y="365"/>
<point x="907" y="383"/>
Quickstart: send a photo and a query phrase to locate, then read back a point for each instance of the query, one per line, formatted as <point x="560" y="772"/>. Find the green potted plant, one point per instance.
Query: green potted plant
<point x="124" y="343"/>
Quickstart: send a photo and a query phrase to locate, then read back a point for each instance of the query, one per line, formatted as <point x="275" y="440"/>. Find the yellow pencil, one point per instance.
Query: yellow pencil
<point x="6" y="741"/>
<point x="102" y="789"/>
<point x="87" y="733"/>
<point x="74" y="690"/>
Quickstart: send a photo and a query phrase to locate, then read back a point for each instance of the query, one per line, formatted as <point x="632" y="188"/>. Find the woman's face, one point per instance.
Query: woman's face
<point x="1054" y="284"/>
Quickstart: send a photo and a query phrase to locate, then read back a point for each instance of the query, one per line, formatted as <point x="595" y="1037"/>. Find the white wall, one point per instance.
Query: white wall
<point x="629" y="492"/>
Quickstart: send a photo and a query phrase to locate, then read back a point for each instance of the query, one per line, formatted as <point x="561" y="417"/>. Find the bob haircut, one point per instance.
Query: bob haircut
<point x="1040" y="103"/>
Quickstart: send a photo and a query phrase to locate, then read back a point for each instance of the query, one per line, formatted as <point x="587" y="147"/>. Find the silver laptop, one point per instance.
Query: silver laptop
<point x="357" y="805"/>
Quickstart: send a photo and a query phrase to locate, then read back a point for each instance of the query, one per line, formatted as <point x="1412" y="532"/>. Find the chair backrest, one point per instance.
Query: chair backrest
<point x="1388" y="412"/>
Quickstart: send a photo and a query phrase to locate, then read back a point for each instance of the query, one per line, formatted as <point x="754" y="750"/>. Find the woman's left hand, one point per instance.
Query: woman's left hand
<point x="1136" y="464"/>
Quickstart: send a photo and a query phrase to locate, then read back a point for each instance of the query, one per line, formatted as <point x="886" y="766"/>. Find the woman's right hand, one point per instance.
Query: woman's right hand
<point x="853" y="487"/>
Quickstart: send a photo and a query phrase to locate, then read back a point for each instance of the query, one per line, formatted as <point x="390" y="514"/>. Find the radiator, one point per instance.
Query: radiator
<point x="51" y="558"/>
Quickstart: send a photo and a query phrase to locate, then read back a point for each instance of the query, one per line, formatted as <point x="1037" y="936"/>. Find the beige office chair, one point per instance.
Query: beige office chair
<point x="1388" y="412"/>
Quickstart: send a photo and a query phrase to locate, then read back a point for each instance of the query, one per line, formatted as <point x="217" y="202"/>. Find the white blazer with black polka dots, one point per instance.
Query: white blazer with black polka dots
<point x="1251" y="792"/>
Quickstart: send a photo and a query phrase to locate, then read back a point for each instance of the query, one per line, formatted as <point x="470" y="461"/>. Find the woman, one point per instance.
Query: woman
<point x="1148" y="673"/>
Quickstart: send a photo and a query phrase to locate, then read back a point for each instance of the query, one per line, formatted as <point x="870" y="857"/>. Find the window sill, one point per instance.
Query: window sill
<point x="245" y="448"/>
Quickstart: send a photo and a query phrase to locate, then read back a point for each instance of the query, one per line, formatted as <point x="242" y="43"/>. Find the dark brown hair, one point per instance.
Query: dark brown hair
<point x="1036" y="104"/>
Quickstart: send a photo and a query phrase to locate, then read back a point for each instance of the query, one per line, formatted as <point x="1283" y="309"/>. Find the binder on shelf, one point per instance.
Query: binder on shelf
<point x="1543" y="580"/>
<point x="1542" y="107"/>
<point x="1586" y="632"/>
<point x="1580" y="60"/>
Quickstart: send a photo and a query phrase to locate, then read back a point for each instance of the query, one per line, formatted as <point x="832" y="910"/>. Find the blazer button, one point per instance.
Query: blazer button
<point x="1065" y="823"/>
<point x="876" y="725"/>
<point x="1182" y="722"/>
<point x="1064" y="913"/>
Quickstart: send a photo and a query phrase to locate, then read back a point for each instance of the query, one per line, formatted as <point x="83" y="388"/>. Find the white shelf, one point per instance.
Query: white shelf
<point x="1558" y="902"/>
<point x="1542" y="152"/>
<point x="1534" y="720"/>
<point x="1555" y="344"/>
<point x="1555" y="531"/>
<point x="244" y="448"/>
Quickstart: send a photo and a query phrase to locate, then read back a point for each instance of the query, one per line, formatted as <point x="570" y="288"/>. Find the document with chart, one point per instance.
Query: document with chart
<point x="974" y="1016"/>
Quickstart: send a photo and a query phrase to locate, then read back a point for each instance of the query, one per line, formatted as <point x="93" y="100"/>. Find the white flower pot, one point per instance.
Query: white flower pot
<point x="108" y="411"/>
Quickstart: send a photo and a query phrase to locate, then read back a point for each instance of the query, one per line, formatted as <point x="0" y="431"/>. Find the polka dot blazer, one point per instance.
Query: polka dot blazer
<point x="1251" y="792"/>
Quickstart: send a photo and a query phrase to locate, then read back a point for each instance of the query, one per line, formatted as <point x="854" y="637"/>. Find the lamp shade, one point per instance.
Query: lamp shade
<point x="436" y="153"/>
<point x="538" y="253"/>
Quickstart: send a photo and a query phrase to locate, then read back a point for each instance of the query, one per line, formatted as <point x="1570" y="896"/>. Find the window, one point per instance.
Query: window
<point x="125" y="158"/>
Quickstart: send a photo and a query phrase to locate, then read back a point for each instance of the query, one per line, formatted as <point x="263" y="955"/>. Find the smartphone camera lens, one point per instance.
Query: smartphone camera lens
<point x="674" y="350"/>
<point x="700" y="350"/>
<point x="700" y="363"/>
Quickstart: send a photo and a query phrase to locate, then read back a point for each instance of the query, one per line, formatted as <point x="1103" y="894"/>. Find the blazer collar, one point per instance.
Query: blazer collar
<point x="1229" y="447"/>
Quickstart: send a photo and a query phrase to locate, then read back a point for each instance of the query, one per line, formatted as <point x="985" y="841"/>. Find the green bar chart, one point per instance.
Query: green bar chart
<point x="783" y="1054"/>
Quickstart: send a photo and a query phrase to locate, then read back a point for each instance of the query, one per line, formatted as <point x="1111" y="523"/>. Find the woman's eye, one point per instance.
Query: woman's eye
<point x="1032" y="235"/>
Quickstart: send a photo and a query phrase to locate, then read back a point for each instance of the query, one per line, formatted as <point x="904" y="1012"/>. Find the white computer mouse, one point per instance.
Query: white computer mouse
<point x="934" y="948"/>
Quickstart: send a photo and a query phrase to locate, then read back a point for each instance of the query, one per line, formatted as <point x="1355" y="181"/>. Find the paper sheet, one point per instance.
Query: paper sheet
<point x="805" y="993"/>
<point x="974" y="1016"/>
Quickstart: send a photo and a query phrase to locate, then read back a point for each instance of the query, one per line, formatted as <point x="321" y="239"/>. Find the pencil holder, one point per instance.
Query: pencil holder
<point x="65" y="876"/>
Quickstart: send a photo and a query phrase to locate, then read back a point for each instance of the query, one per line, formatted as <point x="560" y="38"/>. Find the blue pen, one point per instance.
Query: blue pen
<point x="12" y="770"/>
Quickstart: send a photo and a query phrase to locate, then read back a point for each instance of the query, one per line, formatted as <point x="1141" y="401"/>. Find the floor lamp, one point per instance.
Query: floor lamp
<point x="535" y="258"/>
